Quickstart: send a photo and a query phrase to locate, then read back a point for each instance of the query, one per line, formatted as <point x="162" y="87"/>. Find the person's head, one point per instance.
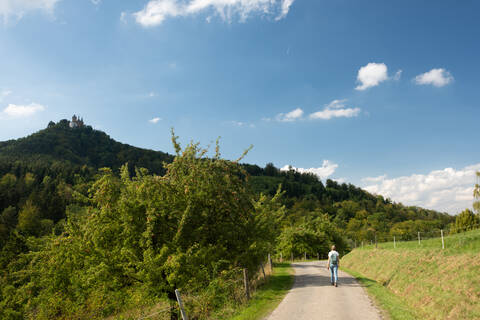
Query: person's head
<point x="333" y="247"/>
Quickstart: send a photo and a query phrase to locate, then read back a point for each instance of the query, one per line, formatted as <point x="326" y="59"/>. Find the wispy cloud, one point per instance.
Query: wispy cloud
<point x="290" y="116"/>
<point x="436" y="77"/>
<point x="19" y="111"/>
<point x="371" y="75"/>
<point x="18" y="8"/>
<point x="335" y="109"/>
<point x="157" y="11"/>
<point x="447" y="190"/>
<point x="323" y="172"/>
<point x="155" y="120"/>
<point x="240" y="124"/>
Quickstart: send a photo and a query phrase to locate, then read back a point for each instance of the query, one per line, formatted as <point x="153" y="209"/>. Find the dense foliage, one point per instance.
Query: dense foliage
<point x="81" y="241"/>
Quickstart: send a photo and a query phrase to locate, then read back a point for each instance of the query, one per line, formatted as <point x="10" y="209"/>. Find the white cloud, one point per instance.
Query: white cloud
<point x="323" y="172"/>
<point x="436" y="77"/>
<point x="447" y="190"/>
<point x="371" y="75"/>
<point x="152" y="94"/>
<point x="18" y="8"/>
<point x="290" y="116"/>
<point x="18" y="111"/>
<point x="155" y="120"/>
<point x="156" y="11"/>
<point x="335" y="109"/>
<point x="285" y="8"/>
<point x="96" y="2"/>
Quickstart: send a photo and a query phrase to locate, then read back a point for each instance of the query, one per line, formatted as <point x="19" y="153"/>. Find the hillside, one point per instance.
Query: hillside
<point x="82" y="146"/>
<point x="434" y="283"/>
<point x="46" y="168"/>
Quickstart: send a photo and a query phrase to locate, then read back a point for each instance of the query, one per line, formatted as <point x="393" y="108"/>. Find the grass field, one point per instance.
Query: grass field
<point x="433" y="283"/>
<point x="267" y="297"/>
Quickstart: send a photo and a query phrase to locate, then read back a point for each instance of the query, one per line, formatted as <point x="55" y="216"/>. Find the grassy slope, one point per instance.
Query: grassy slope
<point x="433" y="283"/>
<point x="268" y="296"/>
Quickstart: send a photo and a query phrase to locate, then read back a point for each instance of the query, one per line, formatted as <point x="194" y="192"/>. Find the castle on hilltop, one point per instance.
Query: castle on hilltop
<point x="76" y="122"/>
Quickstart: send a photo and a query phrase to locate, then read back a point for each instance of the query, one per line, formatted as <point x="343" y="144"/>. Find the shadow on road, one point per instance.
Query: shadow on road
<point x="317" y="279"/>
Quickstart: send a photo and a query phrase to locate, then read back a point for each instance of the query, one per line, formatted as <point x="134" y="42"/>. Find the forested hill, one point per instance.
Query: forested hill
<point x="80" y="146"/>
<point x="41" y="173"/>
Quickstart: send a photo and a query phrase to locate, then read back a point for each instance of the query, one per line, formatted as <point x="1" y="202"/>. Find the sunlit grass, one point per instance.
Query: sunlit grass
<point x="267" y="297"/>
<point x="393" y="306"/>
<point x="437" y="283"/>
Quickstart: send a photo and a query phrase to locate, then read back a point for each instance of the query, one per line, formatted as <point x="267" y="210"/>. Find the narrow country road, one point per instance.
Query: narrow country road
<point x="313" y="297"/>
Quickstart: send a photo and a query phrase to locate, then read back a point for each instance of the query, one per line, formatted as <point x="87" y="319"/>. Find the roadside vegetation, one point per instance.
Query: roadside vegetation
<point x="267" y="297"/>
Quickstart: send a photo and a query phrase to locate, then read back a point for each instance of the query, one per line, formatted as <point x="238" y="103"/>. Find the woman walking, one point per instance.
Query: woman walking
<point x="332" y="265"/>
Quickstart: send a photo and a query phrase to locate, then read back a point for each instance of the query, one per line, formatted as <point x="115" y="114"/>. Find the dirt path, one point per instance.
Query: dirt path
<point x="313" y="297"/>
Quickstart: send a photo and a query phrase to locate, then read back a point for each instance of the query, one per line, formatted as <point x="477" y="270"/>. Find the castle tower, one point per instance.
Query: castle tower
<point x="76" y="122"/>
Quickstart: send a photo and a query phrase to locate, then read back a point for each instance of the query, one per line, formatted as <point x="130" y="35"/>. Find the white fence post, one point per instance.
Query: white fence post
<point x="418" y="237"/>
<point x="443" y="243"/>
<point x="394" y="243"/>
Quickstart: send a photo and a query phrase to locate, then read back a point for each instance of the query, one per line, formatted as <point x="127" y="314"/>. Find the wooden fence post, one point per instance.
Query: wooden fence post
<point x="245" y="282"/>
<point x="263" y="270"/>
<point x="443" y="243"/>
<point x="318" y="256"/>
<point x="281" y="257"/>
<point x="292" y="256"/>
<point x="376" y="246"/>
<point x="305" y="256"/>
<point x="394" y="244"/>
<point x="418" y="237"/>
<point x="180" y="304"/>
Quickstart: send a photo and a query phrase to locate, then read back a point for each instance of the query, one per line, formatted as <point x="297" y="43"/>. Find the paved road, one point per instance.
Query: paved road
<point x="313" y="297"/>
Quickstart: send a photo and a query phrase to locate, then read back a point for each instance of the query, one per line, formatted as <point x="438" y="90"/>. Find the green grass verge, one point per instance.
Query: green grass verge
<point x="391" y="305"/>
<point x="268" y="296"/>
<point x="436" y="283"/>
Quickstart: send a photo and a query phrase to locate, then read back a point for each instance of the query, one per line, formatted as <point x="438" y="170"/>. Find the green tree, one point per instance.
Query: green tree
<point x="466" y="220"/>
<point x="29" y="219"/>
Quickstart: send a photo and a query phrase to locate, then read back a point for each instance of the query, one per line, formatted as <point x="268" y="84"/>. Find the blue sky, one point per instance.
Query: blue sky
<point x="382" y="94"/>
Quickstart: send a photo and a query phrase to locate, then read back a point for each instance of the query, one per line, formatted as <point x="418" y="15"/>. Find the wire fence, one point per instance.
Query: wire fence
<point x="398" y="237"/>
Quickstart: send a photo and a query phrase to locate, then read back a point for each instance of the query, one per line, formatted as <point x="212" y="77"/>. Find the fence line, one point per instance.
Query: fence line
<point x="420" y="235"/>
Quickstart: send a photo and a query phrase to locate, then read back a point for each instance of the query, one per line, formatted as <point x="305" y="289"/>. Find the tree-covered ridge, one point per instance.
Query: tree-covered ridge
<point x="82" y="146"/>
<point x="39" y="175"/>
